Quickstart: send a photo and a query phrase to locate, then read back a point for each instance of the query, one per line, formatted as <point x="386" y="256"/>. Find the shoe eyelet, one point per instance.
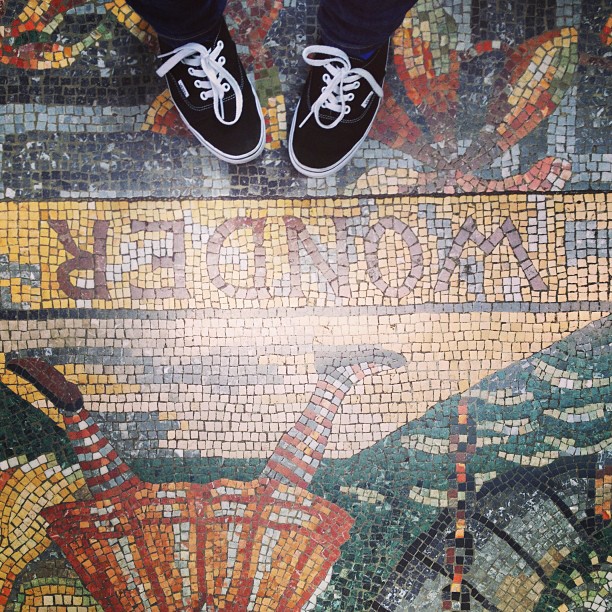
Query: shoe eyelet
<point x="326" y="78"/>
<point x="347" y="110"/>
<point x="191" y="71"/>
<point x="350" y="97"/>
<point x="221" y="61"/>
<point x="203" y="96"/>
<point x="226" y="87"/>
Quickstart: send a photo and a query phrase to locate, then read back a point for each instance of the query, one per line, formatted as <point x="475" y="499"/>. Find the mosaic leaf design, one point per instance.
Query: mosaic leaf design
<point x="522" y="403"/>
<point x="521" y="523"/>
<point x="548" y="174"/>
<point x="536" y="76"/>
<point x="526" y="414"/>
<point x="428" y="65"/>
<point x="403" y="483"/>
<point x="534" y="79"/>
<point x="541" y="71"/>
<point x="28" y="43"/>
<point x="26" y="490"/>
<point x="584" y="580"/>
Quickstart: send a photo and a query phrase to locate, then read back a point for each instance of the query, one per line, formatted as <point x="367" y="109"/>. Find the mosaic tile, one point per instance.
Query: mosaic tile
<point x="237" y="388"/>
<point x="540" y="76"/>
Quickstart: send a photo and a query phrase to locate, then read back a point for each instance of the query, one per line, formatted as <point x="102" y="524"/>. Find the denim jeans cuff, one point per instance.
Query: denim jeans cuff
<point x="202" y="35"/>
<point x="351" y="50"/>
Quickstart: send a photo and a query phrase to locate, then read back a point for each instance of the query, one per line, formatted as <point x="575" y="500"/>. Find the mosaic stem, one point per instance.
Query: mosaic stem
<point x="102" y="468"/>
<point x="300" y="450"/>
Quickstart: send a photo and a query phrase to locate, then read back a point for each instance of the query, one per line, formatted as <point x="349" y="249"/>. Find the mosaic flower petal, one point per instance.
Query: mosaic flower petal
<point x="532" y="83"/>
<point x="163" y="118"/>
<point x="28" y="489"/>
<point x="134" y="23"/>
<point x="548" y="174"/>
<point x="428" y="64"/>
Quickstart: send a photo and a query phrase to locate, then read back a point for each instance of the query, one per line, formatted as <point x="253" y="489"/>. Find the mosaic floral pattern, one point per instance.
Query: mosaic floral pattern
<point x="26" y="488"/>
<point x="140" y="545"/>
<point x="533" y="90"/>
<point x="530" y="85"/>
<point x="235" y="388"/>
<point x="28" y="42"/>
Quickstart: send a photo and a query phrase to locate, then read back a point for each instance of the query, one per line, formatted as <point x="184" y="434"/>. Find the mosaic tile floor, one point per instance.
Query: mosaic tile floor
<point x="236" y="388"/>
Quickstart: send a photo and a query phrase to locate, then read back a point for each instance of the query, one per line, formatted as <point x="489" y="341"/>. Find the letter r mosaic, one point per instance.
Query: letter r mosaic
<point x="237" y="388"/>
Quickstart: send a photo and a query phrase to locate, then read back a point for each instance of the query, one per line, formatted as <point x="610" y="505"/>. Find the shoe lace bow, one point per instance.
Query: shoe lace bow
<point x="340" y="80"/>
<point x="207" y="66"/>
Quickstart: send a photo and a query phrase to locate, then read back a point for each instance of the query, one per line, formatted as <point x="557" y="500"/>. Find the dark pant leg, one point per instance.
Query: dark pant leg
<point x="180" y="21"/>
<point x="359" y="26"/>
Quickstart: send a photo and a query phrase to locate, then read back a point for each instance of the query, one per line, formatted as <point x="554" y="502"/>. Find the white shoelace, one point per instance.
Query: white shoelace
<point x="341" y="78"/>
<point x="211" y="77"/>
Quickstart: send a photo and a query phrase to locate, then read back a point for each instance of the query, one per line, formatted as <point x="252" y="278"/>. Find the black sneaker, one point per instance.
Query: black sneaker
<point x="215" y="99"/>
<point x="338" y="105"/>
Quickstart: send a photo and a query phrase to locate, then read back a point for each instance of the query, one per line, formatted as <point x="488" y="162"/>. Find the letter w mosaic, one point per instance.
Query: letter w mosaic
<point x="486" y="244"/>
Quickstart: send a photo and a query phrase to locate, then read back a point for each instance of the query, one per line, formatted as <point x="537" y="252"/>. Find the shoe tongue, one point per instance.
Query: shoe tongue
<point x="358" y="61"/>
<point x="166" y="46"/>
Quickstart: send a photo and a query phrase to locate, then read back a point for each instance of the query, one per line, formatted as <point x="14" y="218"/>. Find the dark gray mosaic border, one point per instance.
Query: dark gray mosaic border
<point x="249" y="313"/>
